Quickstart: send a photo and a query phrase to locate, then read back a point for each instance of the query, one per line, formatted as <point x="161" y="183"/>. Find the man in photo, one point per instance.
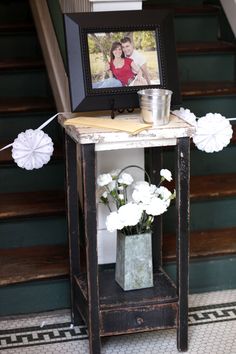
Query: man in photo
<point x="137" y="57"/>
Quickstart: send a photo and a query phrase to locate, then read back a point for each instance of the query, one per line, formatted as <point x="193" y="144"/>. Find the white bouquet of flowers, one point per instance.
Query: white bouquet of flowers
<point x="134" y="212"/>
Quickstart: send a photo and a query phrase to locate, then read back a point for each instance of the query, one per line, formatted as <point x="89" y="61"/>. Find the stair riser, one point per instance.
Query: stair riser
<point x="28" y="83"/>
<point x="28" y="47"/>
<point x="174" y="2"/>
<point x="33" y="232"/>
<point x="15" y="179"/>
<point x="8" y="12"/>
<point x="34" y="297"/>
<point x="209" y="274"/>
<point x="200" y="106"/>
<point x="205" y="275"/>
<point x="214" y="67"/>
<point x="213" y="214"/>
<point x="203" y="163"/>
<point x="10" y="127"/>
<point x="196" y="28"/>
<point x="202" y="219"/>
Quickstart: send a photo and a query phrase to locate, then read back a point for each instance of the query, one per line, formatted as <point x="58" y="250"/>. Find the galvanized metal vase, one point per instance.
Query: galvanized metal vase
<point x="134" y="268"/>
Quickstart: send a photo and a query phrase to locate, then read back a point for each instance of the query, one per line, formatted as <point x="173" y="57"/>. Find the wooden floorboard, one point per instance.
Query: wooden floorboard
<point x="44" y="262"/>
<point x="26" y="104"/>
<point x="233" y="140"/>
<point x="205" y="47"/>
<point x="31" y="204"/>
<point x="21" y="64"/>
<point x="221" y="242"/>
<point x="206" y="88"/>
<point x="18" y="265"/>
<point x="181" y="10"/>
<point x="212" y="186"/>
<point x="17" y="27"/>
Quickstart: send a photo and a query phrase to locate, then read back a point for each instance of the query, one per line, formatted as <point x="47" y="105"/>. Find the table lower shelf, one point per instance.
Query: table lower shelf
<point x="130" y="311"/>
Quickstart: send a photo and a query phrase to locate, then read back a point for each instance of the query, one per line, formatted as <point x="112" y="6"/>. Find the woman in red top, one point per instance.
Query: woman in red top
<point x="123" y="69"/>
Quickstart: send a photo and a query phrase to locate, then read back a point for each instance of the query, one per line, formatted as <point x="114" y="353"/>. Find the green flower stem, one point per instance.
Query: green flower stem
<point x="161" y="180"/>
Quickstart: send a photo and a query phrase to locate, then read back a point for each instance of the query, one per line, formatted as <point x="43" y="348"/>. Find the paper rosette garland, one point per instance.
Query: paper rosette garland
<point x="32" y="149"/>
<point x="213" y="131"/>
<point x="186" y="115"/>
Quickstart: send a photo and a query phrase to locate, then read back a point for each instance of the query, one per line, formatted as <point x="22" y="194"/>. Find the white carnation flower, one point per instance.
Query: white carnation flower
<point x="113" y="222"/>
<point x="147" y="201"/>
<point x="105" y="195"/>
<point x="156" y="207"/>
<point x="111" y="186"/>
<point x="166" y="174"/>
<point x="130" y="214"/>
<point x="126" y="179"/>
<point x="141" y="193"/>
<point x="165" y="194"/>
<point x="114" y="173"/>
<point x="153" y="189"/>
<point x="104" y="179"/>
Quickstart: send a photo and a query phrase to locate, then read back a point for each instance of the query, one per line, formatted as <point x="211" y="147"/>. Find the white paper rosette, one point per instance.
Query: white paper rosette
<point x="213" y="133"/>
<point x="32" y="149"/>
<point x="186" y="115"/>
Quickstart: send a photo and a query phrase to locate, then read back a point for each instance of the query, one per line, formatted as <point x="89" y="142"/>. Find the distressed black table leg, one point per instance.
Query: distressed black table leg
<point x="72" y="221"/>
<point x="153" y="165"/>
<point x="182" y="251"/>
<point x="90" y="225"/>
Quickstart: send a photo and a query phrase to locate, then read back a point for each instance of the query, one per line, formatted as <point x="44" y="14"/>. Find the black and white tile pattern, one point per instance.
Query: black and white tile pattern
<point x="44" y="334"/>
<point x="212" y="329"/>
<point x="212" y="313"/>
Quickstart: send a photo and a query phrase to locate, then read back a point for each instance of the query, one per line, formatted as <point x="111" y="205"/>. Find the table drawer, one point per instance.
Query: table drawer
<point x="129" y="320"/>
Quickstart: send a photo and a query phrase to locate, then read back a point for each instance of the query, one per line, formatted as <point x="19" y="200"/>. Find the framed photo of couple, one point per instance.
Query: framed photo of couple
<point x="112" y="55"/>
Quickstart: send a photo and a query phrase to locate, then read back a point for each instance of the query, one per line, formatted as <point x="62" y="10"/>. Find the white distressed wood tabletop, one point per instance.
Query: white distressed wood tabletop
<point x="105" y="139"/>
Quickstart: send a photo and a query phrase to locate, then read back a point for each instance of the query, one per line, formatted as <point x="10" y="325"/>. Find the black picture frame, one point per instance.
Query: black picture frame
<point x="78" y="28"/>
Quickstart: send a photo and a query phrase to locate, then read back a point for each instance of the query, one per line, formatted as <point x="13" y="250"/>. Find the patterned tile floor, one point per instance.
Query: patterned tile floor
<point x="212" y="329"/>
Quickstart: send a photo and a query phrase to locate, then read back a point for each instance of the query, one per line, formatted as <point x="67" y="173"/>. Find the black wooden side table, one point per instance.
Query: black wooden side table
<point x="96" y="298"/>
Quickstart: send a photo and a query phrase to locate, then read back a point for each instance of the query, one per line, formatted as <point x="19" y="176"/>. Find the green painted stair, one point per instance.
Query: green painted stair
<point x="206" y="62"/>
<point x="33" y="242"/>
<point x="33" y="256"/>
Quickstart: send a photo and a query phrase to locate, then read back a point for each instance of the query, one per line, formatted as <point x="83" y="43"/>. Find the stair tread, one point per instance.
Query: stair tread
<point x="17" y="27"/>
<point x="206" y="243"/>
<point x="26" y="104"/>
<point x="208" y="88"/>
<point x="20" y="63"/>
<point x="33" y="263"/>
<point x="188" y="9"/>
<point x="6" y="156"/>
<point x="205" y="47"/>
<point x="31" y="204"/>
<point x="42" y="262"/>
<point x="39" y="203"/>
<point x="213" y="186"/>
<point x="233" y="140"/>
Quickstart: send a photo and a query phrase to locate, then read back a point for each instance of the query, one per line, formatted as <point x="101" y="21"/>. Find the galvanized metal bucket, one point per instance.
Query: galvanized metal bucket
<point x="155" y="106"/>
<point x="134" y="269"/>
